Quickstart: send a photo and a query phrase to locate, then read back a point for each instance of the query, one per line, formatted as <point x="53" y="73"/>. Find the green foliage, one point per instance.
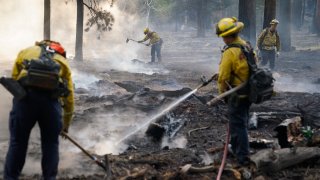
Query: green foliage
<point x="102" y="19"/>
<point x="98" y="17"/>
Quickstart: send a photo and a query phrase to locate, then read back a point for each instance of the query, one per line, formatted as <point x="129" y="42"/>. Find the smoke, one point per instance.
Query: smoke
<point x="206" y="158"/>
<point x="83" y="80"/>
<point x="19" y="26"/>
<point x="178" y="142"/>
<point x="287" y="83"/>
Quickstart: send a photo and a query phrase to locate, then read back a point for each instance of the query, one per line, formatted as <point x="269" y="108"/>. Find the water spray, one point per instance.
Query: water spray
<point x="205" y="82"/>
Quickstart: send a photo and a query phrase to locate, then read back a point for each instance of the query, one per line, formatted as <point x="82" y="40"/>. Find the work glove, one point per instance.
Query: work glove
<point x="215" y="77"/>
<point x="67" y="118"/>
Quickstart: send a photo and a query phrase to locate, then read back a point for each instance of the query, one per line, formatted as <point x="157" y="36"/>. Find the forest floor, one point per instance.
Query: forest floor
<point x="111" y="103"/>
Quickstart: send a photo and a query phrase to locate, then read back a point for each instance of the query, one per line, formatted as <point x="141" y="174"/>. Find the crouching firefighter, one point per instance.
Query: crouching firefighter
<point x="43" y="72"/>
<point x="155" y="42"/>
<point x="233" y="71"/>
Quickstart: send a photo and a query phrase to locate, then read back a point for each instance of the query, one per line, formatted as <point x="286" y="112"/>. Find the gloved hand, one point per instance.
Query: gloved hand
<point x="278" y="53"/>
<point x="65" y="130"/>
<point x="67" y="118"/>
<point x="215" y="77"/>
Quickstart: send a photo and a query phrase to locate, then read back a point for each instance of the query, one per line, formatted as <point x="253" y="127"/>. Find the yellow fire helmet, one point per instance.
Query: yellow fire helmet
<point x="274" y="21"/>
<point x="146" y="30"/>
<point x="228" y="26"/>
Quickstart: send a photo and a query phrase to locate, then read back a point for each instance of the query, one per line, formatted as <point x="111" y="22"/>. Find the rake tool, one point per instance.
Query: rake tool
<point x="104" y="164"/>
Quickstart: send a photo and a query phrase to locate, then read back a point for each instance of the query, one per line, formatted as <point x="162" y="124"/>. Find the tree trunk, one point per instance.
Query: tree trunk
<point x="79" y="31"/>
<point x="269" y="12"/>
<point x="298" y="13"/>
<point x="247" y="15"/>
<point x="200" y="18"/>
<point x="285" y="25"/>
<point x="46" y="22"/>
<point x="316" y="18"/>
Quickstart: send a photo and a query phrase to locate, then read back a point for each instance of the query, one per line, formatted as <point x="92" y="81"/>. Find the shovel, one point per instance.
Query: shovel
<point x="104" y="164"/>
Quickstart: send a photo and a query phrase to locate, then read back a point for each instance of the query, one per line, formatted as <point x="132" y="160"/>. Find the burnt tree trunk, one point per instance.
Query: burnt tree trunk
<point x="247" y="15"/>
<point x="298" y="13"/>
<point x="269" y="12"/>
<point x="285" y="25"/>
<point x="201" y="19"/>
<point x="46" y="20"/>
<point x="79" y="31"/>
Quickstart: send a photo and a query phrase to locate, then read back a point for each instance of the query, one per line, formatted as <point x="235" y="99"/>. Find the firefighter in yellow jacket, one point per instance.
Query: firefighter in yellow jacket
<point x="269" y="44"/>
<point x="44" y="73"/>
<point x="155" y="42"/>
<point x="233" y="71"/>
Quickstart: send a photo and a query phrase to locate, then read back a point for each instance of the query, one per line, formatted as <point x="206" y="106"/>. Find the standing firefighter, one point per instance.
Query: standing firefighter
<point x="155" y="42"/>
<point x="43" y="71"/>
<point x="233" y="71"/>
<point x="268" y="43"/>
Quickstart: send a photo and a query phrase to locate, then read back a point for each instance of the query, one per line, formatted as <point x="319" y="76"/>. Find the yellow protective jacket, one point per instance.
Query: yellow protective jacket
<point x="233" y="68"/>
<point x="65" y="73"/>
<point x="268" y="40"/>
<point x="153" y="36"/>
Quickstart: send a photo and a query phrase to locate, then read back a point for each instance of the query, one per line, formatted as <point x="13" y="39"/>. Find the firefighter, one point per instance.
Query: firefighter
<point x="155" y="42"/>
<point x="44" y="73"/>
<point x="269" y="44"/>
<point x="233" y="71"/>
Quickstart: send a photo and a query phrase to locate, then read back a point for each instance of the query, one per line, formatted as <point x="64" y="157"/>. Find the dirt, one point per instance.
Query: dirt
<point x="117" y="102"/>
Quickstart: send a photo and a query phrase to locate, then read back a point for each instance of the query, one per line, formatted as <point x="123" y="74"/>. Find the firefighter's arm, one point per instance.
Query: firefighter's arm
<point x="225" y="69"/>
<point x="260" y="37"/>
<point x="68" y="102"/>
<point x="144" y="39"/>
<point x="18" y="66"/>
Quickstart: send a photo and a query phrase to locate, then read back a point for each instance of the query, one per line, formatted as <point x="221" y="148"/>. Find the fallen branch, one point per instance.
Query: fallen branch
<point x="188" y="168"/>
<point x="139" y="174"/>
<point x="273" y="161"/>
<point x="215" y="150"/>
<point x="197" y="129"/>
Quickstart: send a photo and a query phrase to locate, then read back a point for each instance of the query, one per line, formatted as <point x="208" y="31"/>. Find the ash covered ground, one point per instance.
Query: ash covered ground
<point x="112" y="102"/>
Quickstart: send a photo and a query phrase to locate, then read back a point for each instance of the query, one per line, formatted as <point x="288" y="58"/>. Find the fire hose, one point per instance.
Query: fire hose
<point x="225" y="153"/>
<point x="210" y="103"/>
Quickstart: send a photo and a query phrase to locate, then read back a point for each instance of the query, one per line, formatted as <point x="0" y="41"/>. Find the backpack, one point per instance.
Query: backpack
<point x="43" y="74"/>
<point x="261" y="81"/>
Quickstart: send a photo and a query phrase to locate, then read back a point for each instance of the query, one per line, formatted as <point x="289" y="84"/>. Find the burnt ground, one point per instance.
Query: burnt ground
<point x="112" y="103"/>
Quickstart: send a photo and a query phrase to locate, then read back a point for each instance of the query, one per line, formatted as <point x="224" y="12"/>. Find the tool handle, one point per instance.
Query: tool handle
<point x="225" y="94"/>
<point x="78" y="145"/>
<point x="13" y="87"/>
